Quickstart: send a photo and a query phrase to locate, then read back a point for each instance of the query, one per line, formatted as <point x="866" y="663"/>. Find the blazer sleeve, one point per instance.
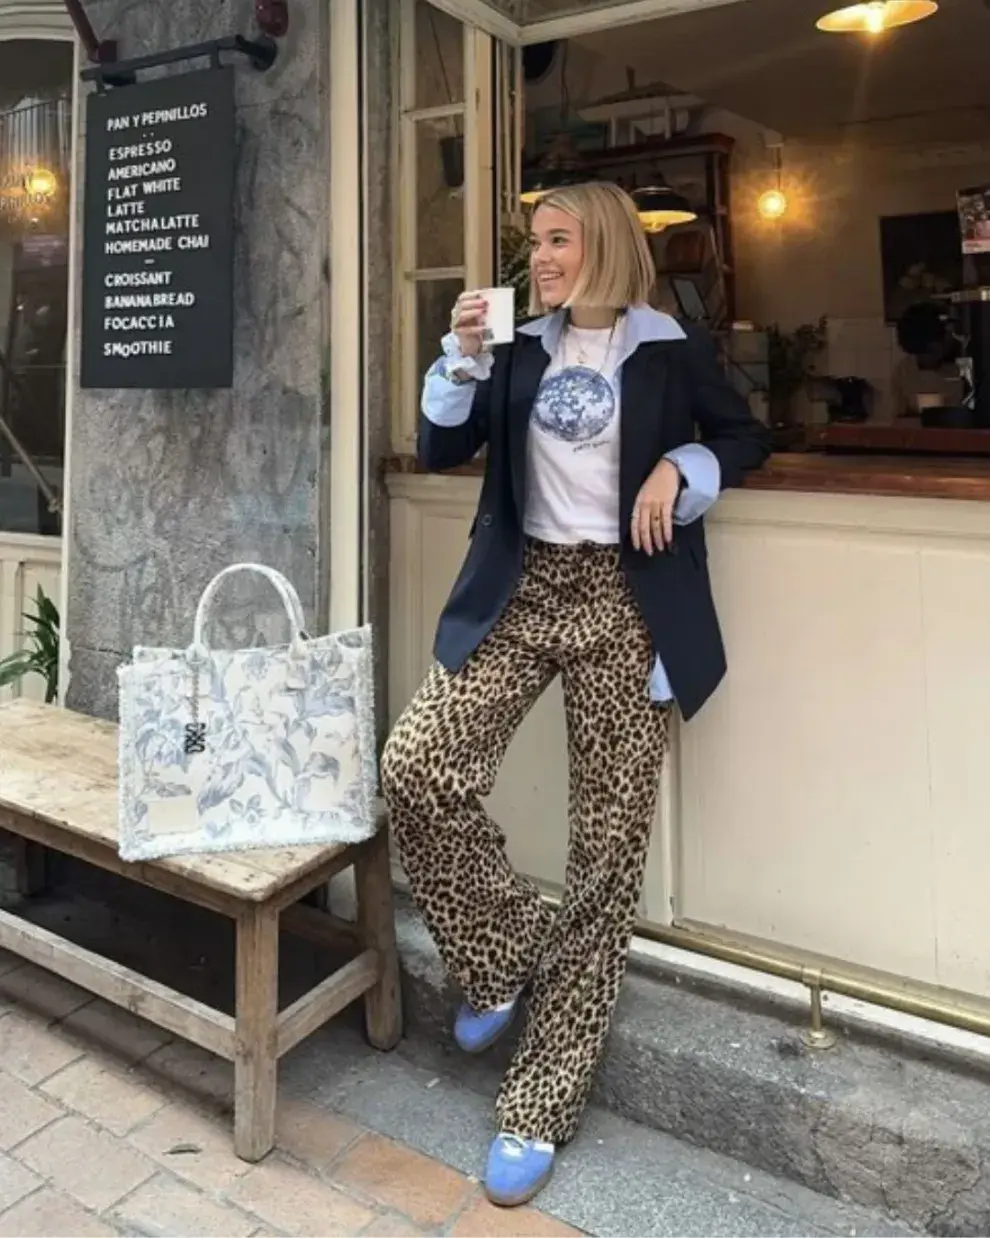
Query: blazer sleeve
<point x="454" y="416"/>
<point x="727" y="427"/>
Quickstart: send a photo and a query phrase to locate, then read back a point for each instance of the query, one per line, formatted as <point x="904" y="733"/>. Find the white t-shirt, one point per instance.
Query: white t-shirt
<point x="572" y="461"/>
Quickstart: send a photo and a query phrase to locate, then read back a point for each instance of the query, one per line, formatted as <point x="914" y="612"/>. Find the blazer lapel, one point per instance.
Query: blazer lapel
<point x="644" y="379"/>
<point x="529" y="362"/>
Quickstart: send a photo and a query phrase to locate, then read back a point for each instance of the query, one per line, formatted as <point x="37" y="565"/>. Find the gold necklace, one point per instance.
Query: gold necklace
<point x="582" y="352"/>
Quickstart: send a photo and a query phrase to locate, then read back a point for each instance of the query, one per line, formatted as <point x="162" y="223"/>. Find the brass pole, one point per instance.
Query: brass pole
<point x="970" y="1014"/>
<point x="914" y="998"/>
<point x="818" y="1036"/>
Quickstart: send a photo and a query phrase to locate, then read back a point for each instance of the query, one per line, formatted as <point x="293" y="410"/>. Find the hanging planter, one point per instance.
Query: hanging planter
<point x="452" y="158"/>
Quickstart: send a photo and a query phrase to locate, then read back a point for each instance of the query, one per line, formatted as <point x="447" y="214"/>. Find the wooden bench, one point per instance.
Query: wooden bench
<point x="58" y="788"/>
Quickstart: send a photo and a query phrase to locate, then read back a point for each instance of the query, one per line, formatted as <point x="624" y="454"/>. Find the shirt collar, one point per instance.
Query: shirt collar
<point x="644" y="325"/>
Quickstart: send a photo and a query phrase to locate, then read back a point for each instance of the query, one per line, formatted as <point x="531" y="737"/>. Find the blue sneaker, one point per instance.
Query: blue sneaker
<point x="475" y="1033"/>
<point x="518" y="1169"/>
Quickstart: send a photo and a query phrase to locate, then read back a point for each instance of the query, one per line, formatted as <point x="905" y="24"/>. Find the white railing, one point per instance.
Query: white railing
<point x="26" y="561"/>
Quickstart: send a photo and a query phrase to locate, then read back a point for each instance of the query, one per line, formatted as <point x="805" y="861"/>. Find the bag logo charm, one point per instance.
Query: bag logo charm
<point x="195" y="738"/>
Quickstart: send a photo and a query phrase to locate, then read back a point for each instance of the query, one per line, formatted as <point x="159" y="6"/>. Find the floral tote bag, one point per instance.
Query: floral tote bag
<point x="224" y="750"/>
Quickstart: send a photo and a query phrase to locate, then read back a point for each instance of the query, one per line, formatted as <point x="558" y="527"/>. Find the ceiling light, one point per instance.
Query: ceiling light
<point x="876" y="16"/>
<point x="546" y="181"/>
<point x="560" y="165"/>
<point x="658" y="207"/>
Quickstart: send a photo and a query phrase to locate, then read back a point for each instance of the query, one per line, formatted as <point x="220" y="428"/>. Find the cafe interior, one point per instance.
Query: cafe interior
<point x="815" y="185"/>
<point x="35" y="161"/>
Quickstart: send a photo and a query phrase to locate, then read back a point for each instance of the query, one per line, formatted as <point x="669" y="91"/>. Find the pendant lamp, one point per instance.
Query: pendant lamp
<point x="772" y="203"/>
<point x="561" y="165"/>
<point x="658" y="207"/>
<point x="876" y="16"/>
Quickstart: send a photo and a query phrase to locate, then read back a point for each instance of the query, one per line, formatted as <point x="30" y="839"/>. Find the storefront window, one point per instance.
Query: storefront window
<point x="35" y="161"/>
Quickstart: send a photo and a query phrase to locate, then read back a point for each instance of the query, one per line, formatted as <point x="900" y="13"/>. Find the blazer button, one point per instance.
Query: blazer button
<point x="486" y="520"/>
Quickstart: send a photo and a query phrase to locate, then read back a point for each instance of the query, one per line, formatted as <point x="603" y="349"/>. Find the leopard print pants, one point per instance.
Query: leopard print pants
<point x="572" y="615"/>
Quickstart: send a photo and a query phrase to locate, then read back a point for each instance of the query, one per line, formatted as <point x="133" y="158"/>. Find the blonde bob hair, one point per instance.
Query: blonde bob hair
<point x="618" y="269"/>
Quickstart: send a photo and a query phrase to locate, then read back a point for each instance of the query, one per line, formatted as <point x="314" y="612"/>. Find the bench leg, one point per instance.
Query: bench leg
<point x="30" y="864"/>
<point x="376" y="924"/>
<point x="256" y="1061"/>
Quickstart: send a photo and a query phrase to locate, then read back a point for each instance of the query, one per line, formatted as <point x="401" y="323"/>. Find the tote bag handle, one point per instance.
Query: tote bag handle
<point x="290" y="600"/>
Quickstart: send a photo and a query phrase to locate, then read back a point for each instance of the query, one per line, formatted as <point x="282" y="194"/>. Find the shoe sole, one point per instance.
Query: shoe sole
<point x="524" y="1197"/>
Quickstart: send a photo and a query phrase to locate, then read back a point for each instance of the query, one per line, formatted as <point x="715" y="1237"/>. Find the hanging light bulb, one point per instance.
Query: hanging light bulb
<point x="41" y="183"/>
<point x="876" y="16"/>
<point x="772" y="204"/>
<point x="658" y="207"/>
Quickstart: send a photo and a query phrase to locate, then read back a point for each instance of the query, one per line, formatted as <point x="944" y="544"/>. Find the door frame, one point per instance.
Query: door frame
<point x="607" y="17"/>
<point x="486" y="17"/>
<point x="346" y="507"/>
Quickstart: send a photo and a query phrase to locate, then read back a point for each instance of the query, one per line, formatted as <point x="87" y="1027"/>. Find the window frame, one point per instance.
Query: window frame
<point x="475" y="113"/>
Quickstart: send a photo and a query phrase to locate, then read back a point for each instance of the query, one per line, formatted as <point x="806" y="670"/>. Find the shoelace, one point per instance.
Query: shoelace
<point x="515" y="1145"/>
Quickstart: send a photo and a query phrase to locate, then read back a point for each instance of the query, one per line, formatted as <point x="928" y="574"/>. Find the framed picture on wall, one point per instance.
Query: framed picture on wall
<point x="974" y="219"/>
<point x="921" y="256"/>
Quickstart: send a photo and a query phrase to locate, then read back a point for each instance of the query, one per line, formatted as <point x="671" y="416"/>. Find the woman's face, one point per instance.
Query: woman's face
<point x="556" y="255"/>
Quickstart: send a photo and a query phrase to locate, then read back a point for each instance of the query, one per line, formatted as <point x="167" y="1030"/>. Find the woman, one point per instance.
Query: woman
<point x="587" y="561"/>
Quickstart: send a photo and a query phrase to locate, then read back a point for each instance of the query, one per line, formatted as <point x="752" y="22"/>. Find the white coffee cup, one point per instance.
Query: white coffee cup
<point x="500" y="319"/>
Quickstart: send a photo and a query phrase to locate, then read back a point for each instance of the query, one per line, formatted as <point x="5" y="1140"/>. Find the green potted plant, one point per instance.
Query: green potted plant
<point x="41" y="655"/>
<point x="791" y="362"/>
<point x="514" y="266"/>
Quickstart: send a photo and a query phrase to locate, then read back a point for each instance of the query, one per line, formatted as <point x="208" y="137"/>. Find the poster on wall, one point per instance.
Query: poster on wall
<point x="158" y="240"/>
<point x="974" y="219"/>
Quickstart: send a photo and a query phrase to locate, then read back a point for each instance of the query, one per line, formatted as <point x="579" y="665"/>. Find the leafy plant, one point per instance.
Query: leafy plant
<point x="791" y="357"/>
<point x="514" y="266"/>
<point x="41" y="655"/>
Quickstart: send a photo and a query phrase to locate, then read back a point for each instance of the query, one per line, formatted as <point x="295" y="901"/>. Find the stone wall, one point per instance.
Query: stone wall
<point x="169" y="487"/>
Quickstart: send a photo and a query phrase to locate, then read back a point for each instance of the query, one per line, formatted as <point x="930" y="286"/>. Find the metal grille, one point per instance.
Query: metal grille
<point x="36" y="134"/>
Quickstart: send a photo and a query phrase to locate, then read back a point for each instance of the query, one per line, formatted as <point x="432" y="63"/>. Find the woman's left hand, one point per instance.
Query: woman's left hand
<point x="652" y="524"/>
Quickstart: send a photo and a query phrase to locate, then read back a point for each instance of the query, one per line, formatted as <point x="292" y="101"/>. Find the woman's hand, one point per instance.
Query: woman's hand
<point x="652" y="524"/>
<point x="468" y="322"/>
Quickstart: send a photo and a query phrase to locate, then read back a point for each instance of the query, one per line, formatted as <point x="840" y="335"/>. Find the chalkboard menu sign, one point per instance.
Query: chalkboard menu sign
<point x="158" y="234"/>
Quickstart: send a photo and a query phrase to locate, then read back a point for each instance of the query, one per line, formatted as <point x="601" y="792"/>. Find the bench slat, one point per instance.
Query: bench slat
<point x="156" y="1002"/>
<point x="328" y="998"/>
<point x="60" y="767"/>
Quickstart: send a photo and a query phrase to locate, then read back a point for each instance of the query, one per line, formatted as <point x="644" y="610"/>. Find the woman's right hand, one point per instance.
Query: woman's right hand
<point x="468" y="322"/>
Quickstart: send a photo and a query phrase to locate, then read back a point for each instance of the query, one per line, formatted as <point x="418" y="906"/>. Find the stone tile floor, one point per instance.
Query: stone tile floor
<point x="108" y="1126"/>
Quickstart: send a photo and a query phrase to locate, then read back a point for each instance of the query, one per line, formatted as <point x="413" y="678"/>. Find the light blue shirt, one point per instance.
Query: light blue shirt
<point x="448" y="403"/>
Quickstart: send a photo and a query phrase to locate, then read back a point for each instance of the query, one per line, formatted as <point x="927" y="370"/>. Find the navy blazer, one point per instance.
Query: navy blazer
<point x="673" y="393"/>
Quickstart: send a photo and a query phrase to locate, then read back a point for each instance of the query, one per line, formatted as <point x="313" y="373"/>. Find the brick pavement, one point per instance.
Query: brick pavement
<point x="109" y="1126"/>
